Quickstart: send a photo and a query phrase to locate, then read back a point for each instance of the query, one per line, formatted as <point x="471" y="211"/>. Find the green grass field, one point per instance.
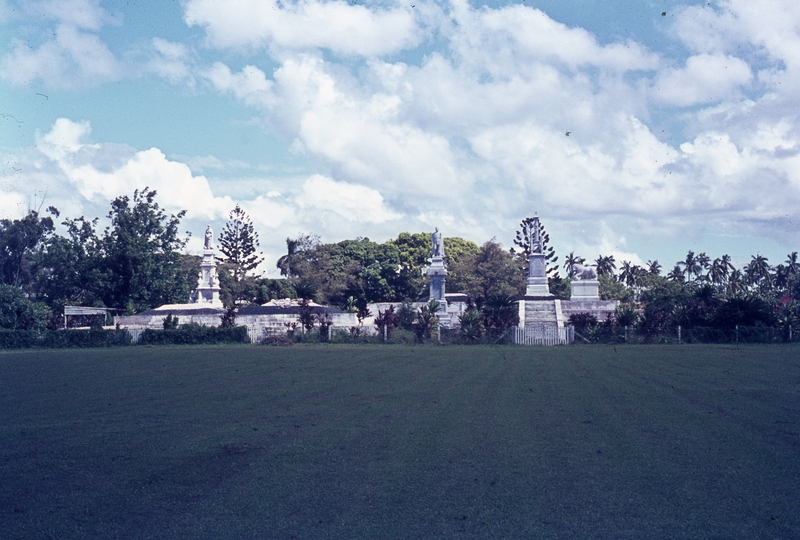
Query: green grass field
<point x="401" y="442"/>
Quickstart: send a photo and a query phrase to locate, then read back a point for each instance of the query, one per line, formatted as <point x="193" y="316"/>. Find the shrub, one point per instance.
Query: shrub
<point x="277" y="341"/>
<point x="194" y="334"/>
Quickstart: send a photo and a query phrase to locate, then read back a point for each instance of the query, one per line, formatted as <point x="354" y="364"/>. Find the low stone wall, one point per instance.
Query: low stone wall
<point x="599" y="308"/>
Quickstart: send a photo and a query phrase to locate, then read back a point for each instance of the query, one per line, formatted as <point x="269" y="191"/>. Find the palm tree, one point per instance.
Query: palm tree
<point x="654" y="267"/>
<point x="703" y="260"/>
<point x="570" y="261"/>
<point x="691" y="266"/>
<point x="627" y="274"/>
<point x="285" y="262"/>
<point x="758" y="271"/>
<point x="605" y="265"/>
<point x="676" y="274"/>
<point x="792" y="264"/>
<point x="726" y="261"/>
<point x="718" y="271"/>
<point x="735" y="282"/>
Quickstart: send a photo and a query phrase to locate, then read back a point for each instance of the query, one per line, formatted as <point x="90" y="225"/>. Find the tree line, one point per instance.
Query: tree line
<point x="137" y="263"/>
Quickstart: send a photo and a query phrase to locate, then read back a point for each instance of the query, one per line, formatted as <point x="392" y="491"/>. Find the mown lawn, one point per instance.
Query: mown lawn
<point x="401" y="442"/>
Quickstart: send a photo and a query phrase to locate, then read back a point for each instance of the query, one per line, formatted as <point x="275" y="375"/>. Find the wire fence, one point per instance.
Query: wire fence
<point x="699" y="334"/>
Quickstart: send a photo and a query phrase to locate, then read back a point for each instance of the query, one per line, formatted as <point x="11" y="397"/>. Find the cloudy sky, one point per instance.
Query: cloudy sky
<point x="636" y="128"/>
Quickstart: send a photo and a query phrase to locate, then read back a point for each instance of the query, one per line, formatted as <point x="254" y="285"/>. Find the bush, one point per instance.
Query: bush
<point x="194" y="334"/>
<point x="277" y="341"/>
<point x="56" y="339"/>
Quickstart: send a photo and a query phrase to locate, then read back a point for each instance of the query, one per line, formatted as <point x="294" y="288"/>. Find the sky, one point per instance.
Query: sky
<point x="636" y="128"/>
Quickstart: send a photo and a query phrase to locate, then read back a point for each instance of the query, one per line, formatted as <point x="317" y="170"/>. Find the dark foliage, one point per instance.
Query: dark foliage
<point x="194" y="334"/>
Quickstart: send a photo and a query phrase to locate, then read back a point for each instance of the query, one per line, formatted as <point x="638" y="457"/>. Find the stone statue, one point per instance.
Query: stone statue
<point x="582" y="272"/>
<point x="209" y="242"/>
<point x="438" y="243"/>
<point x="536" y="239"/>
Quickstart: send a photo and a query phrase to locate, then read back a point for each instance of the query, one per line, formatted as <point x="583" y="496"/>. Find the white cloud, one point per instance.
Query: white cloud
<point x="249" y="85"/>
<point x="705" y="78"/>
<point x="477" y="134"/>
<point x="352" y="202"/>
<point x="78" y="161"/>
<point x="338" y="26"/>
<point x="84" y="14"/>
<point x="73" y="59"/>
<point x="509" y="39"/>
<point x="172" y="61"/>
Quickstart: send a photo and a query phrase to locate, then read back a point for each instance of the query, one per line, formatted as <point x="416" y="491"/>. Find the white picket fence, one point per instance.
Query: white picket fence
<point x="543" y="335"/>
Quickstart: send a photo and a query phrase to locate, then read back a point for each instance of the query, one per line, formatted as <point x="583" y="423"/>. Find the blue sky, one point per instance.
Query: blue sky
<point x="363" y="118"/>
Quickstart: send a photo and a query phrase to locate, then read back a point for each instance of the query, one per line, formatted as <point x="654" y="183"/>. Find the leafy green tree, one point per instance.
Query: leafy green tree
<point x="750" y="311"/>
<point x="296" y="248"/>
<point x="17" y="312"/>
<point x="611" y="289"/>
<point x="141" y="262"/>
<point x="20" y="242"/>
<point x="70" y="268"/>
<point x="654" y="267"/>
<point x="491" y="271"/>
<point x="414" y="252"/>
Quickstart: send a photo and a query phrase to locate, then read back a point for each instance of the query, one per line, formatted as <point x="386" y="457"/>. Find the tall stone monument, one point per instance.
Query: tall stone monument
<point x="437" y="275"/>
<point x="207" y="291"/>
<point x="537" y="266"/>
<point x="437" y="272"/>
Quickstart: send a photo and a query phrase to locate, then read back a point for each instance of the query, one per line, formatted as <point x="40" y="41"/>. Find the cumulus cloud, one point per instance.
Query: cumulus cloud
<point x="72" y="59"/>
<point x="705" y="78"/>
<point x="516" y="36"/>
<point x="521" y="113"/>
<point x="75" y="57"/>
<point x="338" y="26"/>
<point x="171" y="61"/>
<point x="352" y="202"/>
<point x="100" y="177"/>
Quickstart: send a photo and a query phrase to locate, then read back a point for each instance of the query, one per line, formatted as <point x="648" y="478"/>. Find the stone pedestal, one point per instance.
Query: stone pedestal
<point x="585" y="289"/>
<point x="437" y="274"/>
<point x="537" y="313"/>
<point x="207" y="291"/>
<point x="537" y="276"/>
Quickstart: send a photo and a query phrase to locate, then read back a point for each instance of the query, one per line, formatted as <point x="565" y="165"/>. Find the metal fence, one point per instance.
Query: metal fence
<point x="542" y="335"/>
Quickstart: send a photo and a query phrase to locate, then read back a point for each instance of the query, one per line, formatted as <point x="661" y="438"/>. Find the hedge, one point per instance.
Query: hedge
<point x="194" y="334"/>
<point x="25" y="339"/>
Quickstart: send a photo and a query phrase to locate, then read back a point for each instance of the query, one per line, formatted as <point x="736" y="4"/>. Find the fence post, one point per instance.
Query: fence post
<point x="438" y="333"/>
<point x="790" y="332"/>
<point x="737" y="334"/>
<point x="626" y="333"/>
<point x="384" y="333"/>
<point x="679" y="334"/>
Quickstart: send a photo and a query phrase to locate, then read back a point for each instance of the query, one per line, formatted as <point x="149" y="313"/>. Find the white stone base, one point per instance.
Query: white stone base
<point x="585" y="289"/>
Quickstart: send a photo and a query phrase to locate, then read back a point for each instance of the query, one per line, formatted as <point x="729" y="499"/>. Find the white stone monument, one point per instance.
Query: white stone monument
<point x="207" y="291"/>
<point x="584" y="285"/>
<point x="537" y="266"/>
<point x="437" y="274"/>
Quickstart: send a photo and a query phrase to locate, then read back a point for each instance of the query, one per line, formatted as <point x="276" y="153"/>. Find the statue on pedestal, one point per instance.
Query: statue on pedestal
<point x="438" y="244"/>
<point x="209" y="241"/>
<point x="535" y="239"/>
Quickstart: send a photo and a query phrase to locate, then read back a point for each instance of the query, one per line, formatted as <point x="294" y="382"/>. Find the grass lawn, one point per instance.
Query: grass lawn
<point x="695" y="441"/>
